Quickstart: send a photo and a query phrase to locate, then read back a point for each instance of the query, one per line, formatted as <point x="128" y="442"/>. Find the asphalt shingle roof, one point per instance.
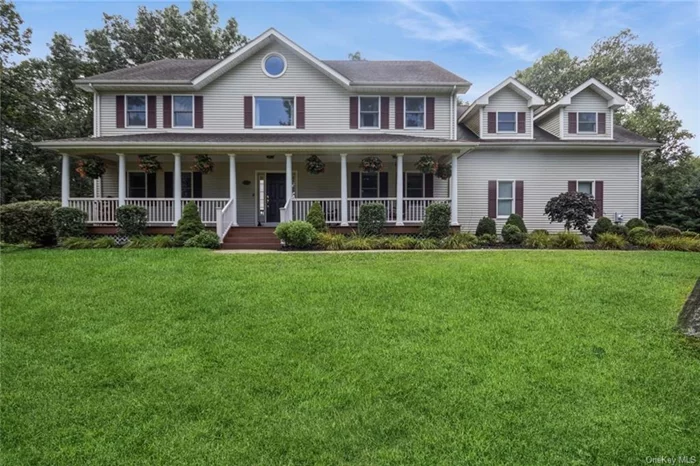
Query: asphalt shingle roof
<point x="161" y="70"/>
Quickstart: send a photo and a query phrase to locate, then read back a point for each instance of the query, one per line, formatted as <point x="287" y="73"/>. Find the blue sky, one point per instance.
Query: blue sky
<point x="483" y="42"/>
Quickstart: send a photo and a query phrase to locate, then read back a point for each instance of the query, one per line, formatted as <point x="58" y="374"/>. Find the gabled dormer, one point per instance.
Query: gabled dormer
<point x="504" y="112"/>
<point x="587" y="112"/>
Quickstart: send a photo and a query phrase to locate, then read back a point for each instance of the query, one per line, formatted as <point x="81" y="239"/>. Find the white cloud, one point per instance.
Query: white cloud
<point x="522" y="52"/>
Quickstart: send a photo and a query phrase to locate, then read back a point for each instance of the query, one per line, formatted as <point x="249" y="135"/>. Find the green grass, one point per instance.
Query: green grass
<point x="190" y="357"/>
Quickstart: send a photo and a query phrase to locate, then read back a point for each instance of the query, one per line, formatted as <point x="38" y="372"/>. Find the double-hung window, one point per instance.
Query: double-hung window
<point x="587" y="122"/>
<point x="585" y="187"/>
<point x="415" y="185"/>
<point x="506" y="198"/>
<point x="506" y="122"/>
<point x="273" y="112"/>
<point x="183" y="110"/>
<point x="136" y="111"/>
<point x="138" y="184"/>
<point x="369" y="112"/>
<point x="414" y="112"/>
<point x="186" y="185"/>
<point x="369" y="185"/>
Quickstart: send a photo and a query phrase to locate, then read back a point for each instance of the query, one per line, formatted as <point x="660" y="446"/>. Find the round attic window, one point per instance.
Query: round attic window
<point x="274" y="65"/>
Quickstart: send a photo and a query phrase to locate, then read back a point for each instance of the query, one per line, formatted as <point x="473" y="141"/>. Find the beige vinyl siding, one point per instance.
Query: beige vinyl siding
<point x="545" y="175"/>
<point x="473" y="123"/>
<point x="551" y="123"/>
<point x="327" y="103"/>
<point x="588" y="101"/>
<point x="507" y="100"/>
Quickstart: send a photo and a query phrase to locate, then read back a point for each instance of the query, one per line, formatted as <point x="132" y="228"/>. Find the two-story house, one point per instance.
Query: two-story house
<point x="263" y="111"/>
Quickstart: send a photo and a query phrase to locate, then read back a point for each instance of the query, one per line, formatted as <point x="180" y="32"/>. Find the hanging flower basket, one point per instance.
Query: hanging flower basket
<point x="91" y="167"/>
<point x="314" y="165"/>
<point x="203" y="164"/>
<point x="426" y="164"/>
<point x="149" y="163"/>
<point x="444" y="171"/>
<point x="371" y="164"/>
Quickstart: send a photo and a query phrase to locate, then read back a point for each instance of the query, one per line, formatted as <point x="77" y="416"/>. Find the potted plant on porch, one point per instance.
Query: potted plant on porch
<point x="371" y="164"/>
<point x="203" y="163"/>
<point x="90" y="167"/>
<point x="149" y="163"/>
<point x="426" y="164"/>
<point x="314" y="165"/>
<point x="444" y="171"/>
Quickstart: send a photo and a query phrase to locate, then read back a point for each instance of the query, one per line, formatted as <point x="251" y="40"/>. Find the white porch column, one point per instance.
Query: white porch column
<point x="399" y="190"/>
<point x="454" y="185"/>
<point x="343" y="190"/>
<point x="288" y="181"/>
<point x="177" y="187"/>
<point x="122" y="179"/>
<point x="232" y="188"/>
<point x="65" y="180"/>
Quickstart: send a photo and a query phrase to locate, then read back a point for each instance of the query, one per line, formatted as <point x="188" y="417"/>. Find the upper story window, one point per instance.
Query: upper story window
<point x="274" y="112"/>
<point x="506" y="198"/>
<point x="414" y="112"/>
<point x="587" y="122"/>
<point x="585" y="187"/>
<point x="274" y="65"/>
<point x="506" y="122"/>
<point x="136" y="110"/>
<point x="183" y="107"/>
<point x="369" y="112"/>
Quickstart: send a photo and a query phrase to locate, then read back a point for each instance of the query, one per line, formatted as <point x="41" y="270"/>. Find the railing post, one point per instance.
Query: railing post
<point x="122" y="179"/>
<point x="177" y="188"/>
<point x="399" y="190"/>
<point x="219" y="223"/>
<point x="454" y="185"/>
<point x="343" y="190"/>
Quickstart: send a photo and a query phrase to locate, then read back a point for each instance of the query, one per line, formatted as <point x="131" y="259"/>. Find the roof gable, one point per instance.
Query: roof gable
<point x="533" y="100"/>
<point x="613" y="99"/>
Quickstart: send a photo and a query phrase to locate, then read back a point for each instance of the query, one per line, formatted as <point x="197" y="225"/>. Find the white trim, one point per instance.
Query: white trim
<point x="172" y="111"/>
<point x="515" y="123"/>
<point x="498" y="198"/>
<point x="481" y="123"/>
<point x="578" y="124"/>
<point x="273" y="54"/>
<point x="405" y="111"/>
<point x="285" y="128"/>
<point x="126" y="110"/>
<point x="359" y="111"/>
<point x="614" y="100"/>
<point x="295" y="188"/>
<point x="533" y="100"/>
<point x="639" y="186"/>
<point x="532" y="124"/>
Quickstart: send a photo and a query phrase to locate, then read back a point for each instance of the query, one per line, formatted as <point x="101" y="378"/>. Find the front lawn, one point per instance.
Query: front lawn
<point x="191" y="357"/>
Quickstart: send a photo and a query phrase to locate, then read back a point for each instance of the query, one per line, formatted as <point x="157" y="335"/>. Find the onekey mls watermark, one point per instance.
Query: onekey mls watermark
<point x="671" y="459"/>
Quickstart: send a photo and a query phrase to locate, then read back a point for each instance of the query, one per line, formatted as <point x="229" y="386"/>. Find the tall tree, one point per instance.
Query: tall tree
<point x="13" y="40"/>
<point x="356" y="56"/>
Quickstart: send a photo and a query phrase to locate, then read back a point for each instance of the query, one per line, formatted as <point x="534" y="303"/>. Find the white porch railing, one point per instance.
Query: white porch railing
<point x="160" y="210"/>
<point x="414" y="208"/>
<point x="355" y="204"/>
<point x="207" y="207"/>
<point x="225" y="219"/>
<point x="331" y="209"/>
<point x="98" y="210"/>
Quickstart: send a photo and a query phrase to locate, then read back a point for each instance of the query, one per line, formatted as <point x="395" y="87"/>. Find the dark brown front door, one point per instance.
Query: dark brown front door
<point x="275" y="184"/>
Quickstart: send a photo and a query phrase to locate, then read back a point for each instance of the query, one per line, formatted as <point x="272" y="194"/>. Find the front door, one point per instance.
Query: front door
<point x="276" y="192"/>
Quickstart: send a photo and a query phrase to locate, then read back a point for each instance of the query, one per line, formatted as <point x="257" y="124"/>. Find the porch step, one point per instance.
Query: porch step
<point x="251" y="238"/>
<point x="266" y="246"/>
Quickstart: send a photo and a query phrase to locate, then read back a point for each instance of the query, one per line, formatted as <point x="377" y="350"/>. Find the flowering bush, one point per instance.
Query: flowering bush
<point x="371" y="164"/>
<point x="426" y="164"/>
<point x="149" y="163"/>
<point x="91" y="167"/>
<point x="203" y="164"/>
<point x="444" y="171"/>
<point x="314" y="165"/>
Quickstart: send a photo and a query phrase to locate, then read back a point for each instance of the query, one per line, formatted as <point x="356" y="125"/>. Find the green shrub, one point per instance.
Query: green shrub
<point x="517" y="220"/>
<point x="6" y="248"/>
<point x="664" y="231"/>
<point x="76" y="242"/>
<point x="486" y="226"/>
<point x="636" y="222"/>
<point x="602" y="225"/>
<point x="459" y="241"/>
<point x="163" y="241"/>
<point x="619" y="229"/>
<point x="427" y="243"/>
<point x="566" y="240"/>
<point x="372" y="219"/>
<point x="132" y="220"/>
<point x="30" y="221"/>
<point x="538" y="239"/>
<point x="68" y="221"/>
<point x="104" y="242"/>
<point x="512" y="235"/>
<point x="405" y="242"/>
<point x="297" y="234"/>
<point x="204" y="239"/>
<point x="139" y="242"/>
<point x="690" y="234"/>
<point x="331" y="241"/>
<point x="610" y="241"/>
<point x="316" y="217"/>
<point x="359" y="243"/>
<point x="189" y="225"/>
<point x="437" y="221"/>
<point x="675" y="243"/>
<point x="487" y="239"/>
<point x="640" y="236"/>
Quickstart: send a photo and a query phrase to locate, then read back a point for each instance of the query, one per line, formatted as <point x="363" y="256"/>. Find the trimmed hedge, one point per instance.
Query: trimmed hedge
<point x="664" y="231"/>
<point x="28" y="222"/>
<point x="486" y="226"/>
<point x="512" y="235"/>
<point x="68" y="221"/>
<point x="619" y="229"/>
<point x="602" y="225"/>
<point x="437" y="221"/>
<point x="640" y="236"/>
<point x="132" y="220"/>
<point x="297" y="234"/>
<point x="636" y="222"/>
<point x="316" y="217"/>
<point x="204" y="239"/>
<point x="517" y="220"/>
<point x="189" y="225"/>
<point x="372" y="219"/>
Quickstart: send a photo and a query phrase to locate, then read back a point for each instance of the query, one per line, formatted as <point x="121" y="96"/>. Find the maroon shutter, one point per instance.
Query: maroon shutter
<point x="353" y="113"/>
<point x="429" y="183"/>
<point x="521" y="122"/>
<point x="354" y="185"/>
<point x="491" y="128"/>
<point x="383" y="184"/>
<point x="601" y="123"/>
<point x="572" y="186"/>
<point x="492" y="198"/>
<point x="248" y="111"/>
<point x="301" y="112"/>
<point x="599" y="198"/>
<point x="430" y="113"/>
<point x="199" y="111"/>
<point x="573" y="127"/>
<point x="384" y="116"/>
<point x="398" y="113"/>
<point x="151" y="117"/>
<point x="519" y="197"/>
<point x="120" y="111"/>
<point x="167" y="112"/>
